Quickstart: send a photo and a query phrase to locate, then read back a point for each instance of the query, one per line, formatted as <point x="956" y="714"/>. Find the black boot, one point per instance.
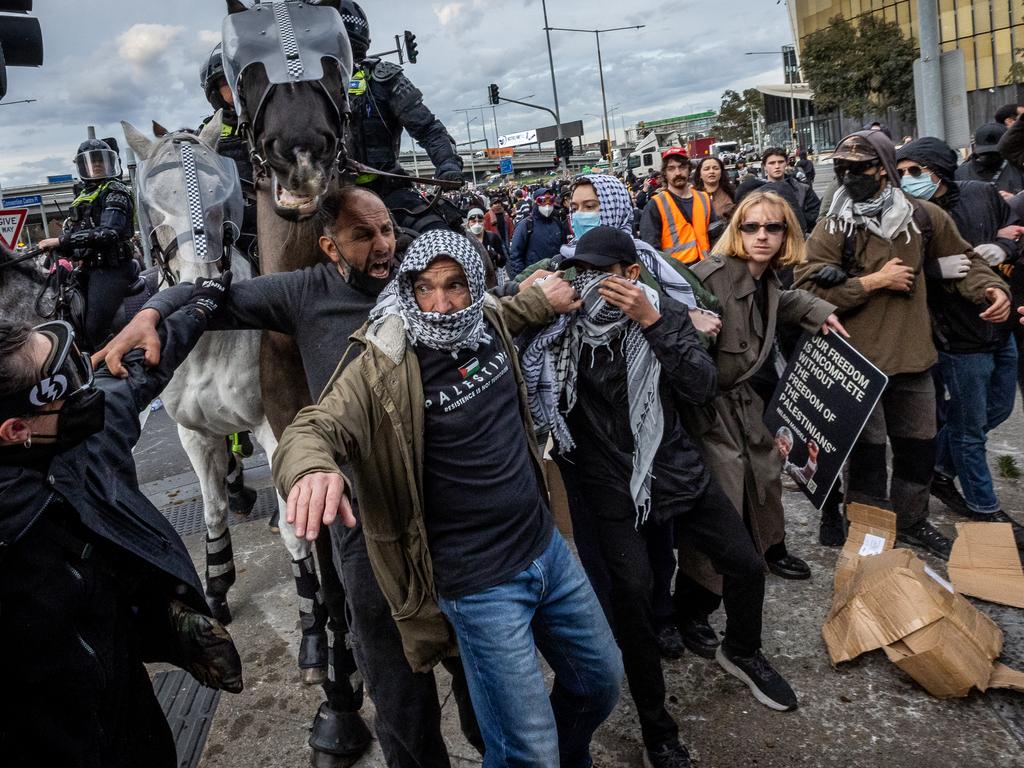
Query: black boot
<point x="832" y="529"/>
<point x="241" y="499"/>
<point x="313" y="648"/>
<point x="220" y="575"/>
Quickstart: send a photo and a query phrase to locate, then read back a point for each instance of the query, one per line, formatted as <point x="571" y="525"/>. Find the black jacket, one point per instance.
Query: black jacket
<point x="599" y="422"/>
<point x="1008" y="178"/>
<point x="979" y="212"/>
<point x="100" y="226"/>
<point x="801" y="197"/>
<point x="97" y="477"/>
<point x="383" y="103"/>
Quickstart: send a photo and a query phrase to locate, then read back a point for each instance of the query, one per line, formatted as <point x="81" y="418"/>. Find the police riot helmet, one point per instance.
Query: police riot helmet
<point x="211" y="78"/>
<point x="357" y="27"/>
<point x="96" y="161"/>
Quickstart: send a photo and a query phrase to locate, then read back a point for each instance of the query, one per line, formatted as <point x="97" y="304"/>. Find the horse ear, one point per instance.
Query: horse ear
<point x="235" y="6"/>
<point x="158" y="130"/>
<point x="137" y="140"/>
<point x="211" y="131"/>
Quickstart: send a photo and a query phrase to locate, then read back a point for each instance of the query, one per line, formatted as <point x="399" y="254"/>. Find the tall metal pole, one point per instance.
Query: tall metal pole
<point x="494" y="117"/>
<point x="931" y="121"/>
<point x="469" y="138"/>
<point x="604" y="98"/>
<point x="554" y="86"/>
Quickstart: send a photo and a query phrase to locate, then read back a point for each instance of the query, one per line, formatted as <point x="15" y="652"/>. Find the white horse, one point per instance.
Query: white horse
<point x="186" y="195"/>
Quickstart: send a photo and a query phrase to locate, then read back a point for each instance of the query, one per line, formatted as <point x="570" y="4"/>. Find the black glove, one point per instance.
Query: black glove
<point x="830" y="276"/>
<point x="210" y="292"/>
<point x="452" y="176"/>
<point x="202" y="647"/>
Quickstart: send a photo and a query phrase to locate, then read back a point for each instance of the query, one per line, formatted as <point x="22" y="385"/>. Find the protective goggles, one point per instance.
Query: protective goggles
<point x="914" y="170"/>
<point x="843" y="167"/>
<point x="545" y="200"/>
<point x="477" y="217"/>
<point x="771" y="227"/>
<point x="66" y="371"/>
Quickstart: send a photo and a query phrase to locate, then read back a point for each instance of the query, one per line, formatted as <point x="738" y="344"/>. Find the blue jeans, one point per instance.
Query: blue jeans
<point x="982" y="388"/>
<point x="548" y="607"/>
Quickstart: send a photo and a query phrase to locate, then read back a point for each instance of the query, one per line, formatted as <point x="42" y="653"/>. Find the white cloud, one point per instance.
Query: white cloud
<point x="142" y="43"/>
<point x="448" y="12"/>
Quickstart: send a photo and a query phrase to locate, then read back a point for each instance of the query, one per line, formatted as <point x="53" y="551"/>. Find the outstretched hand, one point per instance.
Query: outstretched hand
<point x="318" y="499"/>
<point x="140" y="333"/>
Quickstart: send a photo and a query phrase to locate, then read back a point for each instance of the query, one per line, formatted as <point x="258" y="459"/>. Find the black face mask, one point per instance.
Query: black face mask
<point x="362" y="282"/>
<point x="861" y="187"/>
<point x="82" y="416"/>
<point x="990" y="161"/>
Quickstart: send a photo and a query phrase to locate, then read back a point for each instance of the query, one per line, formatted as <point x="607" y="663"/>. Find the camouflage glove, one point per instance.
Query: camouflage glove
<point x="203" y="648"/>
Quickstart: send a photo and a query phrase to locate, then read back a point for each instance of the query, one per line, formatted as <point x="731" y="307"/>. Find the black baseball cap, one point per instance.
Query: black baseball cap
<point x="986" y="138"/>
<point x="602" y="247"/>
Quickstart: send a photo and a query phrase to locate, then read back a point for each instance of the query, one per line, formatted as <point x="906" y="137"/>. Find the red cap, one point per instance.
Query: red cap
<point x="675" y="152"/>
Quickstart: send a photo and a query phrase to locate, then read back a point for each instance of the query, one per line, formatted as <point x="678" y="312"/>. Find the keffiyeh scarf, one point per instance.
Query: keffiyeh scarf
<point x="617" y="211"/>
<point x="888" y="215"/>
<point x="550" y="368"/>
<point x="464" y="329"/>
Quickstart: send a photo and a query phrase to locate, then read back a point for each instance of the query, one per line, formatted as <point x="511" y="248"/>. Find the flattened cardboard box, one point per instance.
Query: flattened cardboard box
<point x="985" y="563"/>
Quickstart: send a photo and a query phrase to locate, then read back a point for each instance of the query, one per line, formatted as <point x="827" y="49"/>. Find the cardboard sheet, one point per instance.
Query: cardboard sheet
<point x="985" y="563"/>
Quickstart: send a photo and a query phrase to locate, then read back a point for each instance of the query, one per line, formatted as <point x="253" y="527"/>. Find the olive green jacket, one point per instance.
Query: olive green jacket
<point x="371" y="415"/>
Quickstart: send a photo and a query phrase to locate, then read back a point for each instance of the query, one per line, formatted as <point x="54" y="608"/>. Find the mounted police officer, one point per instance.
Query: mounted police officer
<point x="233" y="145"/>
<point x="384" y="102"/>
<point x="97" y="235"/>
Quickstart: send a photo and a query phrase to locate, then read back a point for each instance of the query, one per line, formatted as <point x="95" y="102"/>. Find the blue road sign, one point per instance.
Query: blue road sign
<point x="63" y="178"/>
<point x="506" y="165"/>
<point x="23" y="202"/>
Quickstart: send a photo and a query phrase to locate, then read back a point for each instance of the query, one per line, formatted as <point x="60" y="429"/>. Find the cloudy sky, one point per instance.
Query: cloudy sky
<point x="110" y="60"/>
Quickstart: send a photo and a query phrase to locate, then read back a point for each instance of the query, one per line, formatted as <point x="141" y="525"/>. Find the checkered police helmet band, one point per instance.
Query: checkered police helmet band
<point x="195" y="201"/>
<point x="353" y="21"/>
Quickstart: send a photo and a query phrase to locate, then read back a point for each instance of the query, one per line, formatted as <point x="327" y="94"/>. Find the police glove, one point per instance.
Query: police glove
<point x="452" y="176"/>
<point x="830" y="276"/>
<point x="210" y="292"/>
<point x="953" y="267"/>
<point x="991" y="253"/>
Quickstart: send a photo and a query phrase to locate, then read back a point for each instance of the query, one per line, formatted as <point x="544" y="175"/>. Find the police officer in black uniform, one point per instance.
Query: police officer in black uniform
<point x="97" y="236"/>
<point x="384" y="102"/>
<point x="232" y="145"/>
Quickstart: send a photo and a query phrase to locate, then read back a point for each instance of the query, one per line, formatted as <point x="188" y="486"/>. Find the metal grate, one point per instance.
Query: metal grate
<point x="187" y="518"/>
<point x="189" y="708"/>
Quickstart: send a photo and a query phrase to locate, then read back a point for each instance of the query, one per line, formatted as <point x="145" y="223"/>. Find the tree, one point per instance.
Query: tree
<point x="1016" y="74"/>
<point x="860" y="70"/>
<point x="733" y="122"/>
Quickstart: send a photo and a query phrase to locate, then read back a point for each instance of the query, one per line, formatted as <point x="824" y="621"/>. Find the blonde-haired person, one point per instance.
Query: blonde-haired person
<point x="763" y="236"/>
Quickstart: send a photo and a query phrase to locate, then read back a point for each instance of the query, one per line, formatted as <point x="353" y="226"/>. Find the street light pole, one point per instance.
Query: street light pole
<point x="554" y="86"/>
<point x="469" y="138"/>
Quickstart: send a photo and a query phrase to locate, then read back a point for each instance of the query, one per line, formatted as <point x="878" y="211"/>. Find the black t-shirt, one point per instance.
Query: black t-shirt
<point x="486" y="517"/>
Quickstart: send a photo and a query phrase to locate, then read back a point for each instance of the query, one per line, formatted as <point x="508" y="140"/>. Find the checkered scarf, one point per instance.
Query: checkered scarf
<point x="550" y="367"/>
<point x="617" y="211"/>
<point x="451" y="332"/>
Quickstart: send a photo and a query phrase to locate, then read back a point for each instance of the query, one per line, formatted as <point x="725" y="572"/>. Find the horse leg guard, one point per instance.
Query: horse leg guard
<point x="241" y="499"/>
<point x="338" y="738"/>
<point x="220" y="575"/>
<point x="313" y="648"/>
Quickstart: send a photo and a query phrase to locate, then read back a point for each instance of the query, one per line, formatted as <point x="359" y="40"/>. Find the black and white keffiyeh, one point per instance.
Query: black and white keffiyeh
<point x="617" y="211"/>
<point x="888" y="215"/>
<point x="550" y="367"/>
<point x="464" y="329"/>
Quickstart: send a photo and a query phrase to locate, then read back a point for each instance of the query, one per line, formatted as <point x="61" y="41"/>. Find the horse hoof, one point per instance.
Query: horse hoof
<point x="313" y="675"/>
<point x="219" y="609"/>
<point x="241" y="503"/>
<point x="338" y="739"/>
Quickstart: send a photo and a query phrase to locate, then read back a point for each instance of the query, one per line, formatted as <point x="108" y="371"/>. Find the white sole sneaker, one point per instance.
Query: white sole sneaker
<point x="739" y="674"/>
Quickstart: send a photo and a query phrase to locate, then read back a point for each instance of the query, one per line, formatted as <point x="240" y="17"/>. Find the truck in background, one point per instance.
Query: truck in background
<point x="702" y="147"/>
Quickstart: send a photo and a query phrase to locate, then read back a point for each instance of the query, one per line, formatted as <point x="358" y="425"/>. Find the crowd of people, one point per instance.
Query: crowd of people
<point x="635" y="329"/>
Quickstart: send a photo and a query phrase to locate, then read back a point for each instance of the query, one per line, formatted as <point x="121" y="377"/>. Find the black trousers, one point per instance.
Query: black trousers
<point x="104" y="288"/>
<point x="75" y="692"/>
<point x="714" y="527"/>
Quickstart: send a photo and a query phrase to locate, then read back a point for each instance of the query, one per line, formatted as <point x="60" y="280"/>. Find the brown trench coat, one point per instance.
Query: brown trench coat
<point x="737" y="447"/>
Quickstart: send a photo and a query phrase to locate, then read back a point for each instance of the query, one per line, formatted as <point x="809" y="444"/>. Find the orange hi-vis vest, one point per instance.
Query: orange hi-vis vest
<point x="680" y="239"/>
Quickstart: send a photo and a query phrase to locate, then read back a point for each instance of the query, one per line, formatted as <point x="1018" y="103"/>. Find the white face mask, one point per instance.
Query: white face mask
<point x="476" y="229"/>
<point x="545" y="210"/>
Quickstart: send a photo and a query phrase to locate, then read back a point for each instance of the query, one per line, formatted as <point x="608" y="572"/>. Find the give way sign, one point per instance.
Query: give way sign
<point x="11" y="222"/>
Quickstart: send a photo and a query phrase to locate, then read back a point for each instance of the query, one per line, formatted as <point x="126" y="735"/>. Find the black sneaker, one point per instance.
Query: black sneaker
<point x="671" y="755"/>
<point x="670" y="643"/>
<point x="1001" y="517"/>
<point x="790" y="567"/>
<point x="699" y="636"/>
<point x="927" y="537"/>
<point x="944" y="489"/>
<point x="764" y="682"/>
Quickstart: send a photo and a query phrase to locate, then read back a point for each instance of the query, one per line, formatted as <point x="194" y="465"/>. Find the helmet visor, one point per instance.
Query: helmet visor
<point x="98" y="164"/>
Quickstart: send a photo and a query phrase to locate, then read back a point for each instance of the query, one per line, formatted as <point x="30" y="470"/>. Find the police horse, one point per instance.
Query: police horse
<point x="190" y="207"/>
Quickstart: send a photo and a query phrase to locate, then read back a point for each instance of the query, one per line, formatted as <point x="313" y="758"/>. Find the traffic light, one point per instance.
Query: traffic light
<point x="21" y="39"/>
<point x="410" y="47"/>
<point x="563" y="147"/>
<point x="605" y="149"/>
<point x="494" y="98"/>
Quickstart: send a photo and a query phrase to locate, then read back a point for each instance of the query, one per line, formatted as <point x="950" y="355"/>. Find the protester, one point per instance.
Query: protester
<point x="538" y="236"/>
<point x="499" y="222"/>
<point x="437" y="363"/>
<point x="988" y="164"/>
<point x="491" y="242"/>
<point x="1008" y="114"/>
<point x="977" y="359"/>
<point x="710" y="177"/>
<point x="610" y="382"/>
<point x="676" y="220"/>
<point x="866" y="259"/>
<point x="805" y="166"/>
<point x="93" y="579"/>
<point x="800" y="196"/>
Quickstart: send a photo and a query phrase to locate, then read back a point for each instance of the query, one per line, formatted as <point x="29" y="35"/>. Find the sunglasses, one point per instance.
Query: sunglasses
<point x="771" y="227"/>
<point x="476" y="218"/>
<point x="913" y="170"/>
<point x="843" y="167"/>
<point x="67" y="370"/>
